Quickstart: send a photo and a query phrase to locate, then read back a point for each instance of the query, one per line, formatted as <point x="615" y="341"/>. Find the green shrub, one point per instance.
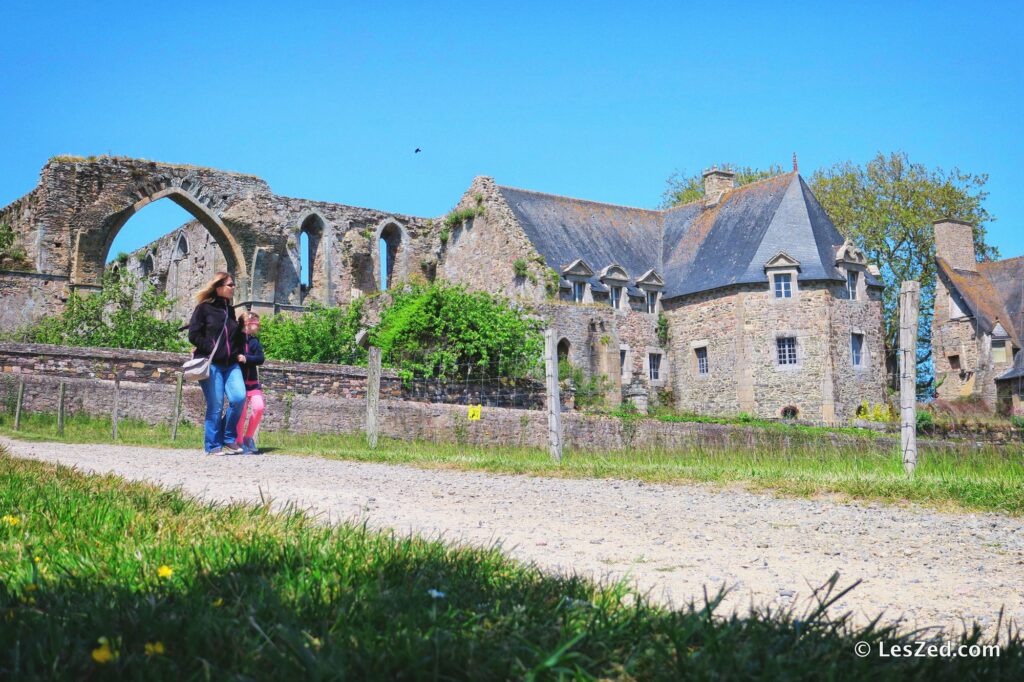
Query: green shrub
<point x="320" y="335"/>
<point x="520" y="267"/>
<point x="456" y="218"/>
<point x="1017" y="421"/>
<point x="925" y="421"/>
<point x="123" y="314"/>
<point x="662" y="330"/>
<point x="440" y="330"/>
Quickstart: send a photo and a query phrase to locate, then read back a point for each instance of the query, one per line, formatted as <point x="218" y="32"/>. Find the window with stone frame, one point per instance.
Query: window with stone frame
<point x="851" y="284"/>
<point x="857" y="349"/>
<point x="702" y="360"/>
<point x="625" y="364"/>
<point x="652" y="301"/>
<point x="999" y="354"/>
<point x="954" y="363"/>
<point x="578" y="288"/>
<point x="615" y="296"/>
<point x="785" y="350"/>
<point x="783" y="285"/>
<point x="654" y="366"/>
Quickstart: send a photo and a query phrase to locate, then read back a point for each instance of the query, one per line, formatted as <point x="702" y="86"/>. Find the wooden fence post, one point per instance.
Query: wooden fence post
<point x="554" y="401"/>
<point x="373" y="397"/>
<point x="115" y="413"/>
<point x="60" y="409"/>
<point x="17" y="405"/>
<point x="177" y="407"/>
<point x="909" y="302"/>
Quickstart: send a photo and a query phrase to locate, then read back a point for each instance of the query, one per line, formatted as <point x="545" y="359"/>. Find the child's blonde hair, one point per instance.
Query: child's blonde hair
<point x="247" y="315"/>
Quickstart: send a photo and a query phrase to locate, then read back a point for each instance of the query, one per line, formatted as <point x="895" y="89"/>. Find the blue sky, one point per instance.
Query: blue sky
<point x="595" y="100"/>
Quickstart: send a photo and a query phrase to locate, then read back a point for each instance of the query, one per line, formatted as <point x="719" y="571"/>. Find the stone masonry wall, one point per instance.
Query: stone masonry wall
<point x="158" y="368"/>
<point x="739" y="327"/>
<point x="959" y="336"/>
<point x="301" y="413"/>
<point x="481" y="251"/>
<point x="27" y="297"/>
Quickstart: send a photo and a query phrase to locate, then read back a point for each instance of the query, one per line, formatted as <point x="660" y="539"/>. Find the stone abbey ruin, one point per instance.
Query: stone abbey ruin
<point x="748" y="300"/>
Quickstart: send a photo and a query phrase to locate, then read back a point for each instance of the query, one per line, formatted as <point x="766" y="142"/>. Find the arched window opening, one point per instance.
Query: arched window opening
<point x="790" y="412"/>
<point x="311" y="267"/>
<point x="181" y="250"/>
<point x="563" y="350"/>
<point x="305" y="269"/>
<point x="148" y="266"/>
<point x="388" y="247"/>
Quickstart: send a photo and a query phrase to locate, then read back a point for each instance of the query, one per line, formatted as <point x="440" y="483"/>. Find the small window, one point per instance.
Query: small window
<point x="999" y="354"/>
<point x="954" y="362"/>
<point x="652" y="301"/>
<point x="786" y="350"/>
<point x="784" y="286"/>
<point x="790" y="412"/>
<point x="857" y="349"/>
<point x="615" y="297"/>
<point x="622" y="361"/>
<point x="577" y="292"/>
<point x="851" y="285"/>
<point x="702" y="360"/>
<point x="654" y="363"/>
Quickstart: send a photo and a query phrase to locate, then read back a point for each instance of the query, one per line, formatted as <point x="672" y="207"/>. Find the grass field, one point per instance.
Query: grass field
<point x="101" y="579"/>
<point x="971" y="478"/>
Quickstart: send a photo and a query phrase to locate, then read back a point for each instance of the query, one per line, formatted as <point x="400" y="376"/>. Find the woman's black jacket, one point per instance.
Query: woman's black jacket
<point x="208" y="320"/>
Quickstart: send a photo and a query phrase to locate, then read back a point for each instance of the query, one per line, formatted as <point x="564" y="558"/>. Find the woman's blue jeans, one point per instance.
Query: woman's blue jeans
<point x="223" y="382"/>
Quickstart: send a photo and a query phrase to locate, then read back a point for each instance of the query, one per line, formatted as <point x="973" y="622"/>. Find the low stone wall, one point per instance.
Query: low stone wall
<point x="152" y="367"/>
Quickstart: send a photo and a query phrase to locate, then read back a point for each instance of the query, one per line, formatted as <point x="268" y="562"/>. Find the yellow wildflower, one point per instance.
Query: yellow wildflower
<point x="154" y="648"/>
<point x="104" y="653"/>
<point x="11" y="520"/>
<point x="165" y="571"/>
<point x="217" y="603"/>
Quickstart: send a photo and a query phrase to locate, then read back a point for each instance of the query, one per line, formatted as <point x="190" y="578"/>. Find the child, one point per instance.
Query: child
<point x="250" y="360"/>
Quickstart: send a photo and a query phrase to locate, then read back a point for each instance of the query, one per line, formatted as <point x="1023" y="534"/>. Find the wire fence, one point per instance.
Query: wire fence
<point x="510" y="379"/>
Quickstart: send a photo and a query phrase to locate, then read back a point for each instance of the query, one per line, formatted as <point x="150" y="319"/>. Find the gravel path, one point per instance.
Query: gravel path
<point x="926" y="568"/>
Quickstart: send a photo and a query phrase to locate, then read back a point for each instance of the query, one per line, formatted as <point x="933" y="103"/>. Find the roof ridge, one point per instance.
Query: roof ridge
<point x="586" y="201"/>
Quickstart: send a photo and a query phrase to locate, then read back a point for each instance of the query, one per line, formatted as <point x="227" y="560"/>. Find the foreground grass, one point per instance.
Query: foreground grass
<point x="101" y="579"/>
<point x="971" y="478"/>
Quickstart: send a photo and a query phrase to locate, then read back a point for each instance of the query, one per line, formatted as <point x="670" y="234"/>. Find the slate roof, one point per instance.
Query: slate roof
<point x="987" y="292"/>
<point x="694" y="248"/>
<point x="1015" y="372"/>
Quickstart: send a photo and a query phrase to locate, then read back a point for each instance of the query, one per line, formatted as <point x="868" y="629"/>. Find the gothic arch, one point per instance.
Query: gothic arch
<point x="93" y="241"/>
<point x="314" y="281"/>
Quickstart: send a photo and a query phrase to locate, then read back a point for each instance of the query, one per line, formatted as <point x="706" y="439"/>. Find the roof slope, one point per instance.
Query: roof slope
<point x="981" y="296"/>
<point x="1007" y="278"/>
<point x="693" y="247"/>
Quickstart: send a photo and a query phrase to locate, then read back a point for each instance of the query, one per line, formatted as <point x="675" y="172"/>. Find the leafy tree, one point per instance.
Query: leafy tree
<point x="887" y="208"/>
<point x="319" y="335"/>
<point x="441" y="330"/>
<point x="123" y="314"/>
<point x="683" y="188"/>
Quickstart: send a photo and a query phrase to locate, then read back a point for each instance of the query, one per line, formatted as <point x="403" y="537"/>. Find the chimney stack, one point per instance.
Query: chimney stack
<point x="716" y="183"/>
<point x="954" y="242"/>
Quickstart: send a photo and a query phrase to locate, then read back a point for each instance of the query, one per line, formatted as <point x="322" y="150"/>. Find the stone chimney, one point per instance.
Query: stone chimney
<point x="954" y="242"/>
<point x="716" y="183"/>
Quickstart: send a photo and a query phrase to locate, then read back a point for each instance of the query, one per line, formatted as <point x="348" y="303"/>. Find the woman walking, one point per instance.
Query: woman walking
<point x="250" y="359"/>
<point x="214" y="331"/>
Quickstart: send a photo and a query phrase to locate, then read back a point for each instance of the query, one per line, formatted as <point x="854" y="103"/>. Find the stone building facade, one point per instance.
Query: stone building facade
<point x="978" y="322"/>
<point x="746" y="301"/>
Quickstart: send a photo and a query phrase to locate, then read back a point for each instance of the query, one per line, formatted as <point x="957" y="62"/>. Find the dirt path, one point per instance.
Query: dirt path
<point x="925" y="567"/>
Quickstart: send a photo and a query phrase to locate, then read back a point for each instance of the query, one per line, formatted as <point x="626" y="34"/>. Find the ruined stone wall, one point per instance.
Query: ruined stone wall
<point x="27" y="297"/>
<point x="739" y="327"/>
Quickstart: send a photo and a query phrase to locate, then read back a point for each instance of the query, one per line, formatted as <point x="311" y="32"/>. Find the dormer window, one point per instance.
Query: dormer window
<point x="577" y="273"/>
<point x="999" y="354"/>
<point x="615" y="297"/>
<point x="651" y="284"/>
<point x="851" y="284"/>
<point x="783" y="285"/>
<point x="578" y="289"/>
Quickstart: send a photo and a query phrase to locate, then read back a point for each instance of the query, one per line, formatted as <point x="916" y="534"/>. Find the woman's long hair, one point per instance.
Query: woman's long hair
<point x="208" y="294"/>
